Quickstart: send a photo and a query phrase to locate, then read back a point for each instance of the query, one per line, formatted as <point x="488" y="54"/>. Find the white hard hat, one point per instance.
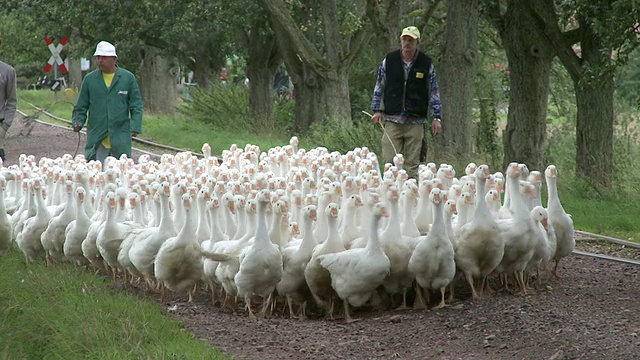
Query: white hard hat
<point x="105" y="49"/>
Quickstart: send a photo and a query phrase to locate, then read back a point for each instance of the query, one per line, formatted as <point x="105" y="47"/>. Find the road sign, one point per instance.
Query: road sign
<point x="55" y="54"/>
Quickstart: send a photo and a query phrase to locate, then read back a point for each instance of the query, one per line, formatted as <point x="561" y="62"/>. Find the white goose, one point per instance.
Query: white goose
<point x="356" y="273"/>
<point x="463" y="206"/>
<point x="13" y="194"/>
<point x="348" y="219"/>
<point x="318" y="278"/>
<point x="520" y="233"/>
<point x="178" y="264"/>
<point x="545" y="247"/>
<point x="561" y="221"/>
<point x="260" y="264"/>
<point x="89" y="247"/>
<point x="131" y="237"/>
<point x="295" y="258"/>
<point x="5" y="224"/>
<point x="28" y="239"/>
<point x="203" y="230"/>
<point x="280" y="209"/>
<point x="111" y="235"/>
<point x="27" y="209"/>
<point x="480" y="244"/>
<point x="432" y="261"/>
<point x="424" y="213"/>
<point x="409" y="201"/>
<point x="77" y="229"/>
<point x="450" y="210"/>
<point x="226" y="271"/>
<point x="216" y="235"/>
<point x="53" y="237"/>
<point x="144" y="250"/>
<point x="399" y="249"/>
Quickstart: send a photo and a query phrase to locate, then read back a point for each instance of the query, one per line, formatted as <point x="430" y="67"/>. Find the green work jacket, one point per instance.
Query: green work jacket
<point x="115" y="111"/>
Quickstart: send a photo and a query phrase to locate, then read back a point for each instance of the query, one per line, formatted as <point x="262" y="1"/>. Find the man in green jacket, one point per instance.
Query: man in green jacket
<point x="111" y="97"/>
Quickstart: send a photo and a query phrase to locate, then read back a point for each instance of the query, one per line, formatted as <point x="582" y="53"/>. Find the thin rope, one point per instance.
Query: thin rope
<point x="77" y="147"/>
<point x="384" y="131"/>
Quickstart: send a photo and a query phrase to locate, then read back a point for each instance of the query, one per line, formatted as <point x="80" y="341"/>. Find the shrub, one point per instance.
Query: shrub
<point x="222" y="106"/>
<point x="336" y="137"/>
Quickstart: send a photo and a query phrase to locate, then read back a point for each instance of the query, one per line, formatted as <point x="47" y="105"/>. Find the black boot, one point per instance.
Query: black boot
<point x="2" y="155"/>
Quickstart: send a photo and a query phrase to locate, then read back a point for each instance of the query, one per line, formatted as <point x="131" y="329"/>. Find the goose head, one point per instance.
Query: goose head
<point x="551" y="172"/>
<point x="540" y="215"/>
<point x="436" y="196"/>
<point x="470" y="168"/>
<point x="310" y="212"/>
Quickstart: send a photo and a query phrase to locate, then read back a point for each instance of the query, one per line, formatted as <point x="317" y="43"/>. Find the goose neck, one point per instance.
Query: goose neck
<point x="262" y="233"/>
<point x="3" y="209"/>
<point x="438" y="218"/>
<point x="308" y="239"/>
<point x="166" y="220"/>
<point x="374" y="238"/>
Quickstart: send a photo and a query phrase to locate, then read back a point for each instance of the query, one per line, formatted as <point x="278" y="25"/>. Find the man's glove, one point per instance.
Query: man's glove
<point x="77" y="128"/>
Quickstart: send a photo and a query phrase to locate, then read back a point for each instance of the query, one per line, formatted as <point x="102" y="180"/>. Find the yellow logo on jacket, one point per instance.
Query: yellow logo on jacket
<point x="419" y="75"/>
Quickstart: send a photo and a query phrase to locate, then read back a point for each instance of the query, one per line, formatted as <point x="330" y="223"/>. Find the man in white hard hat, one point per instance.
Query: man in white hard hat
<point x="406" y="94"/>
<point x="111" y="97"/>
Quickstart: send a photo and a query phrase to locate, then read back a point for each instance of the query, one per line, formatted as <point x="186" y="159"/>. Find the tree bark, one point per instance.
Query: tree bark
<point x="262" y="63"/>
<point x="594" y="99"/>
<point x="456" y="73"/>
<point x="594" y="132"/>
<point x="203" y="72"/>
<point x="530" y="57"/>
<point x="157" y="84"/>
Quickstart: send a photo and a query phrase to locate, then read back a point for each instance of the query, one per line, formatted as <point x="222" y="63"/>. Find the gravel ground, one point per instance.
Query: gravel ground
<point x="590" y="312"/>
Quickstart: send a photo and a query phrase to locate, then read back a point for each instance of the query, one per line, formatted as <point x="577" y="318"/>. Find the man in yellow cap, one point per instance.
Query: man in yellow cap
<point x="405" y="96"/>
<point x="111" y="96"/>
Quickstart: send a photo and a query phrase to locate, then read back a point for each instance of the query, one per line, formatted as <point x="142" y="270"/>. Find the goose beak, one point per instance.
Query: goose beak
<point x="545" y="224"/>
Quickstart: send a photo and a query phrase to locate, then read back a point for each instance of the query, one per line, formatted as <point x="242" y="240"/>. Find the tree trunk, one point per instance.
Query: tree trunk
<point x="262" y="64"/>
<point x="157" y="84"/>
<point x="530" y="58"/>
<point x="203" y="72"/>
<point x="487" y="131"/>
<point x="594" y="132"/>
<point x="594" y="99"/>
<point x="261" y="98"/>
<point x="456" y="73"/>
<point x="320" y="99"/>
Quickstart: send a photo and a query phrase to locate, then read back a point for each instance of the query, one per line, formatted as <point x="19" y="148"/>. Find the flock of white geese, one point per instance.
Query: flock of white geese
<point x="310" y="226"/>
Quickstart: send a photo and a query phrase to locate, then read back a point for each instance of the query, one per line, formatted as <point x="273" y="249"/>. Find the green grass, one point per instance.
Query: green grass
<point x="55" y="102"/>
<point x="191" y="135"/>
<point x="69" y="313"/>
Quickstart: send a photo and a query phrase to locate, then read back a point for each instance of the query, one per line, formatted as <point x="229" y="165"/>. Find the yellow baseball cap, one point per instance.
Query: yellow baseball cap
<point x="411" y="31"/>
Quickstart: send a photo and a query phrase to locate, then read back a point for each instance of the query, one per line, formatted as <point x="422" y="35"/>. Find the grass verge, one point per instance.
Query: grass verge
<point x="67" y="313"/>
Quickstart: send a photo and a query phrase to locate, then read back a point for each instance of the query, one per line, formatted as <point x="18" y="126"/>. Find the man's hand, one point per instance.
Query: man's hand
<point x="77" y="128"/>
<point x="377" y="117"/>
<point x="436" y="126"/>
<point x="134" y="133"/>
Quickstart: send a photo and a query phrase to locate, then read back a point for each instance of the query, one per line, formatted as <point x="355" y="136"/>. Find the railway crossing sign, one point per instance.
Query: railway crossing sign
<point x="55" y="54"/>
